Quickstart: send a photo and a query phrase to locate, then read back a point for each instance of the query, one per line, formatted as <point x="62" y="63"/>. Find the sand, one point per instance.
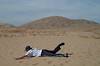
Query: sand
<point x="85" y="47"/>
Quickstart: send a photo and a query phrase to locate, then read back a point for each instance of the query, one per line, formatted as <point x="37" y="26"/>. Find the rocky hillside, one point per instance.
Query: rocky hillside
<point x="59" y="22"/>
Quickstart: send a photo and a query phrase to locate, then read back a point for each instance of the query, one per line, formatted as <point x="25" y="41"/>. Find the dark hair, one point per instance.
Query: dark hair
<point x="27" y="48"/>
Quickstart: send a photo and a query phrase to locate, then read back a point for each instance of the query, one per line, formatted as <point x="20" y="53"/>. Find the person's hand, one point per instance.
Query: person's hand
<point x="16" y="58"/>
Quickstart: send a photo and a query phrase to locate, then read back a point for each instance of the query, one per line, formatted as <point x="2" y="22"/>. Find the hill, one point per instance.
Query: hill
<point x="6" y="25"/>
<point x="59" y="22"/>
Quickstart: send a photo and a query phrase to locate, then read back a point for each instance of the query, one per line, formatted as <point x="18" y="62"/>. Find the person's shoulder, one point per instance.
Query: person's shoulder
<point x="30" y="50"/>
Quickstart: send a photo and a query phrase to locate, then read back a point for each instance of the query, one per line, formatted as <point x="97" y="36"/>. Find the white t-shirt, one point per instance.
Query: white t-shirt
<point x="34" y="52"/>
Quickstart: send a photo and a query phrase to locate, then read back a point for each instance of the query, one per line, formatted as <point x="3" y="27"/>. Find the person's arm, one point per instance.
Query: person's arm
<point x="22" y="57"/>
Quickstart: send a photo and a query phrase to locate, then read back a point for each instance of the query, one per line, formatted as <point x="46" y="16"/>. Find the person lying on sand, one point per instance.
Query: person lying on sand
<point x="33" y="52"/>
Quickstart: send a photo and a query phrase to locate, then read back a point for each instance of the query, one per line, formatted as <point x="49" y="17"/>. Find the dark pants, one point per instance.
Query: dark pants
<point x="46" y="52"/>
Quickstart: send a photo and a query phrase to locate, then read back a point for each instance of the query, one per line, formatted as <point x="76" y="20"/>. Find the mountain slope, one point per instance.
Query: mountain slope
<point x="59" y="22"/>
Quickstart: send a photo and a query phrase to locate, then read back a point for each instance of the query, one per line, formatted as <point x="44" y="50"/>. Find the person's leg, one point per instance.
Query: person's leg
<point x="55" y="50"/>
<point x="64" y="55"/>
<point x="46" y="53"/>
<point x="58" y="48"/>
<point x="59" y="55"/>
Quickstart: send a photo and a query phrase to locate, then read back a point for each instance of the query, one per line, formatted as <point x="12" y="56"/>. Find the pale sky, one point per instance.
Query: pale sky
<point x="18" y="12"/>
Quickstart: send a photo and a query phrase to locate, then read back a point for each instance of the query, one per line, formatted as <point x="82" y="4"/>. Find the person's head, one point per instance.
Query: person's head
<point x="27" y="48"/>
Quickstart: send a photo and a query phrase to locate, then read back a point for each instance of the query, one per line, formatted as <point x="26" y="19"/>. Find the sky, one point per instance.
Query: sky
<point x="18" y="12"/>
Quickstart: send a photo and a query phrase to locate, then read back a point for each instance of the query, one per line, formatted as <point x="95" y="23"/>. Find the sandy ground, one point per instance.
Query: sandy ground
<point x="84" y="46"/>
